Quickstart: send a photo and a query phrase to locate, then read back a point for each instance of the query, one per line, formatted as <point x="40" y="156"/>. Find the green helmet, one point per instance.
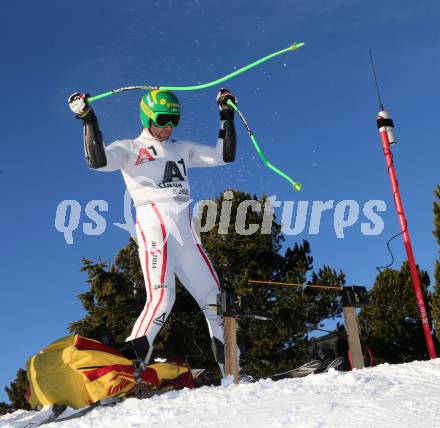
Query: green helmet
<point x="157" y="102"/>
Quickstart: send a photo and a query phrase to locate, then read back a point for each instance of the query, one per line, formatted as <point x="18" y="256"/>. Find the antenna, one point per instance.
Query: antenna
<point x="375" y="80"/>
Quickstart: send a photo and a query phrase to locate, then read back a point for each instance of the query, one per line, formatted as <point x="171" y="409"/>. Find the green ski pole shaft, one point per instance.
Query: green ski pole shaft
<point x="296" y="186"/>
<point x="293" y="47"/>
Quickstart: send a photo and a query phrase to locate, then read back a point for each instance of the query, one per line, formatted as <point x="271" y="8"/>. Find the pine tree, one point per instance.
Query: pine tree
<point x="116" y="295"/>
<point x="16" y="393"/>
<point x="5" y="408"/>
<point x="390" y="324"/>
<point x="435" y="304"/>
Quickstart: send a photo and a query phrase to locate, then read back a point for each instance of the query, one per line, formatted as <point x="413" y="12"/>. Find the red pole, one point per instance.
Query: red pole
<point x="385" y="125"/>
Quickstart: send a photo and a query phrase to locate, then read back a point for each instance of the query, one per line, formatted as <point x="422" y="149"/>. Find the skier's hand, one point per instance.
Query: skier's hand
<point x="78" y="104"/>
<point x="223" y="96"/>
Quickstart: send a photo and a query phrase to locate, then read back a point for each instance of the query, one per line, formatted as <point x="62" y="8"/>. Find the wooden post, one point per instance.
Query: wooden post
<point x="354" y="342"/>
<point x="230" y="331"/>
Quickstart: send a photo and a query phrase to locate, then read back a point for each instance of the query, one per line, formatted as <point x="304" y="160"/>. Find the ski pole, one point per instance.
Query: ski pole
<point x="296" y="186"/>
<point x="293" y="47"/>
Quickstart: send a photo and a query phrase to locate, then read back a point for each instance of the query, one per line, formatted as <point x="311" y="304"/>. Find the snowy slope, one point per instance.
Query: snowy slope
<point x="406" y="395"/>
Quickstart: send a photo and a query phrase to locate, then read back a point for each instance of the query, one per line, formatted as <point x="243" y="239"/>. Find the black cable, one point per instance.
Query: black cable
<point x="380" y="268"/>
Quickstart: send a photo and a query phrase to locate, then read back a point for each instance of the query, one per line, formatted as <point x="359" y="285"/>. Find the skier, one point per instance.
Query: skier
<point x="155" y="171"/>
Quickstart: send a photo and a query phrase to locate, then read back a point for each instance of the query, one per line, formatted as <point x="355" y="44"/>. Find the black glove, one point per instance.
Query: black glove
<point x="223" y="96"/>
<point x="78" y="104"/>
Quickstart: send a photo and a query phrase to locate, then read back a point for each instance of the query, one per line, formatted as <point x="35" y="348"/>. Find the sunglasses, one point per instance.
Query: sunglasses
<point x="163" y="120"/>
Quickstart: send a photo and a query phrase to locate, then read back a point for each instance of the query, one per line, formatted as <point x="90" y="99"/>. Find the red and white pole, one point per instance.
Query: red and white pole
<point x="385" y="125"/>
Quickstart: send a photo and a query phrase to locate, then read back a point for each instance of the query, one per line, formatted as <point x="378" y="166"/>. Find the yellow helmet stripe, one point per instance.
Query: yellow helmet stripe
<point x="147" y="110"/>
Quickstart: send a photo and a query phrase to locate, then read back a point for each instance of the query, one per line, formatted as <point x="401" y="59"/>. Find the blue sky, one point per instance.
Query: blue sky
<point x="313" y="113"/>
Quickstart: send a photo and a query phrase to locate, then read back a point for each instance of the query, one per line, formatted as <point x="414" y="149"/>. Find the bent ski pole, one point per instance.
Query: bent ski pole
<point x="296" y="186"/>
<point x="293" y="47"/>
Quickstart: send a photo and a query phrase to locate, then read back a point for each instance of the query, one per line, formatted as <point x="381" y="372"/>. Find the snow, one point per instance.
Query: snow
<point x="405" y="395"/>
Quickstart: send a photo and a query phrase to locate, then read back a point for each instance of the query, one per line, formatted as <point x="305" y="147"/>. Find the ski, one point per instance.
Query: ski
<point x="301" y="371"/>
<point x="58" y="411"/>
<point x="313" y="366"/>
<point x="332" y="365"/>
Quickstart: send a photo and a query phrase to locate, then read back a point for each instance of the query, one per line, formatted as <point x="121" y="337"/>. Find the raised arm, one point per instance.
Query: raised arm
<point x="97" y="155"/>
<point x="227" y="136"/>
<point x="224" y="152"/>
<point x="93" y="143"/>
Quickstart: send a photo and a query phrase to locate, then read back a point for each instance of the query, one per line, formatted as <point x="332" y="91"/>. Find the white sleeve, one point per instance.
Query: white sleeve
<point x="118" y="154"/>
<point x="201" y="155"/>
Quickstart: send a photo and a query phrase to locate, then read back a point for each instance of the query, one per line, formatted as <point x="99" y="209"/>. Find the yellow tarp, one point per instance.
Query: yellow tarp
<point x="76" y="371"/>
<point x="63" y="374"/>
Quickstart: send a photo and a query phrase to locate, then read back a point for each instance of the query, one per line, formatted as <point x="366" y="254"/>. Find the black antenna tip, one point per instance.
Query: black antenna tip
<point x="375" y="80"/>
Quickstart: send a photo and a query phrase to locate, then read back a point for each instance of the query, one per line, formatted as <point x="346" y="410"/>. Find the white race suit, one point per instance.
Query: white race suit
<point x="155" y="173"/>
